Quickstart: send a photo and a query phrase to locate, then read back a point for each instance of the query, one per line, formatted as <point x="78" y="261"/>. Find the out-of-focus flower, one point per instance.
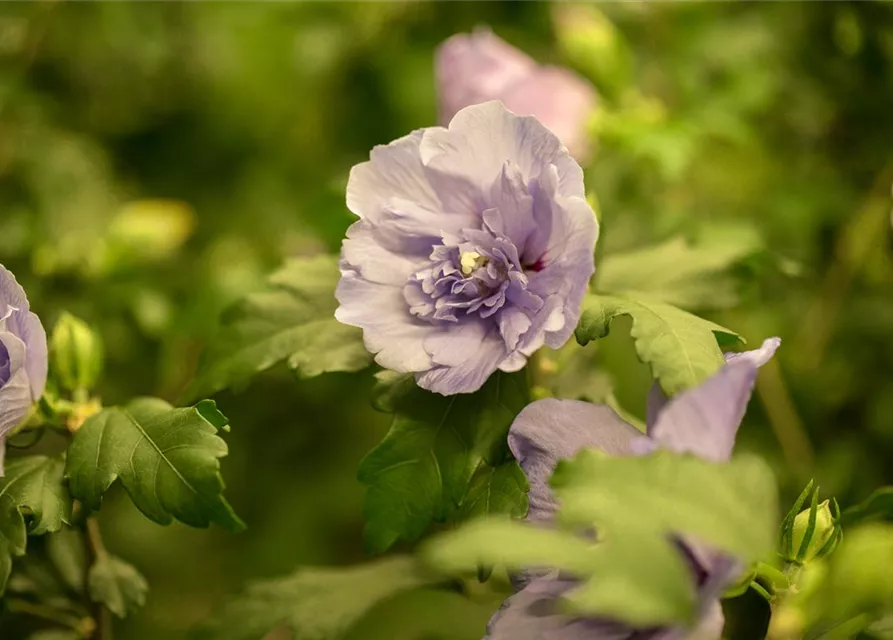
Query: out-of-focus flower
<point x="477" y="67"/>
<point x="702" y="421"/>
<point x="23" y="357"/>
<point x="474" y="248"/>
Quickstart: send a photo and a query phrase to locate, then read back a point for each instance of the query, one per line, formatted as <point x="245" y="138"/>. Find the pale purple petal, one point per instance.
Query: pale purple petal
<point x="26" y="325"/>
<point x="533" y="614"/>
<point x="479" y="141"/>
<point x="11" y="292"/>
<point x="550" y="430"/>
<point x="452" y="345"/>
<point x="657" y="399"/>
<point x="32" y="333"/>
<point x="393" y="171"/>
<point x="390" y="331"/>
<point x="705" y="420"/>
<point x="15" y="392"/>
<point x="512" y="212"/>
<point x="565" y="258"/>
<point x="513" y="323"/>
<point x="374" y="262"/>
<point x="23" y="357"/>
<point x="471" y="374"/>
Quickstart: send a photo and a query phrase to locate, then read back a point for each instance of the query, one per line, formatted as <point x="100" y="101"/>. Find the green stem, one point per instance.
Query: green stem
<point x="756" y="586"/>
<point x="104" y="629"/>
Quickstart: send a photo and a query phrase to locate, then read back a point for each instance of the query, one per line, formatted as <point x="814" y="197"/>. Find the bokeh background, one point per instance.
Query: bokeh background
<point x="157" y="160"/>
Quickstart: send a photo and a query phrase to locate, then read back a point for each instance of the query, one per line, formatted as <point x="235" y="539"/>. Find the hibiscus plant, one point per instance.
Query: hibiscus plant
<point x="510" y="494"/>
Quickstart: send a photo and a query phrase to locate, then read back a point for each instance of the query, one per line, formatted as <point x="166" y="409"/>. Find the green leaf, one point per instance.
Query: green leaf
<point x="634" y="572"/>
<point x="167" y="459"/>
<point x="494" y="490"/>
<point x="423" y="469"/>
<point x="67" y="550"/>
<point x="117" y="585"/>
<point x="36" y="484"/>
<point x="432" y="614"/>
<point x="683" y="350"/>
<point x="314" y="603"/>
<point x="679" y="273"/>
<point x="293" y="320"/>
<point x="13" y="537"/>
<point x="33" y="500"/>
<point x="390" y="389"/>
<point x="878" y="505"/>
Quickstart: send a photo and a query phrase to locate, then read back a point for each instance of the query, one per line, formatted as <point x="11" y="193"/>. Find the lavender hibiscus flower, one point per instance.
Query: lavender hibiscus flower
<point x="476" y="67"/>
<point x="23" y="357"/>
<point x="474" y="248"/>
<point x="702" y="421"/>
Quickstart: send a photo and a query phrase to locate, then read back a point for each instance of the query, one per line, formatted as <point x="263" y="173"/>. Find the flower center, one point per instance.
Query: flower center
<point x="476" y="273"/>
<point x="471" y="261"/>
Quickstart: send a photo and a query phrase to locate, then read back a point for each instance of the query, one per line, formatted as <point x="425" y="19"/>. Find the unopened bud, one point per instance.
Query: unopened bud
<point x="76" y="352"/>
<point x="823" y="537"/>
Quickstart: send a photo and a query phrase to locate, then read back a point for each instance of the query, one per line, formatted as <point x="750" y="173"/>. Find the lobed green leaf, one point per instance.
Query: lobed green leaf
<point x="293" y="320"/>
<point x="425" y="469"/>
<point x="117" y="585"/>
<point x="33" y="500"/>
<point x="167" y="459"/>
<point x="682" y="350"/>
<point x="319" y="603"/>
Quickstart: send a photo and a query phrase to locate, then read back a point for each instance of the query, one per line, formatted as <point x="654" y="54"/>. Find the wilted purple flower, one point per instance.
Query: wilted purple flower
<point x="23" y="357"/>
<point x="477" y="67"/>
<point x="474" y="248"/>
<point x="702" y="421"/>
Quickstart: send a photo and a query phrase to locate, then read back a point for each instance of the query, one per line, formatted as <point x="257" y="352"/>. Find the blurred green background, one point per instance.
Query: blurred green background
<point x="157" y="160"/>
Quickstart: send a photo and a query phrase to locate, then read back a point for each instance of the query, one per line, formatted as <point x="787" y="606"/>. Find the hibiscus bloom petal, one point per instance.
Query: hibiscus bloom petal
<point x="705" y="420"/>
<point x="550" y="430"/>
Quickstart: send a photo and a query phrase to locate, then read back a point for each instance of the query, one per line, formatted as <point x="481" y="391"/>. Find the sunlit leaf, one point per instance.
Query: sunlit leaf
<point x="318" y="603"/>
<point x="167" y="459"/>
<point x="432" y="614"/>
<point x="293" y="321"/>
<point x="691" y="276"/>
<point x="682" y="349"/>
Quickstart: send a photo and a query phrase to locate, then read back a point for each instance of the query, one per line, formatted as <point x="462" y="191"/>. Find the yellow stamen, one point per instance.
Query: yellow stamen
<point x="469" y="261"/>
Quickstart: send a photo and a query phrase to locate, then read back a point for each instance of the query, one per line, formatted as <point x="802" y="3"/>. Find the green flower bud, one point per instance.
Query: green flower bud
<point x="76" y="354"/>
<point x="823" y="536"/>
<point x="810" y="533"/>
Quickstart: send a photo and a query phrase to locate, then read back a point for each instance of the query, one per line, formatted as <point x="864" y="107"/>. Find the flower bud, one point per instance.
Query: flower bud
<point x="76" y="354"/>
<point x="820" y="539"/>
